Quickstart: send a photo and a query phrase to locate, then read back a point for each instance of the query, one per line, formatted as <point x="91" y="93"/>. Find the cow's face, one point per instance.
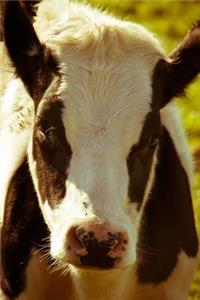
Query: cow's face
<point x="93" y="151"/>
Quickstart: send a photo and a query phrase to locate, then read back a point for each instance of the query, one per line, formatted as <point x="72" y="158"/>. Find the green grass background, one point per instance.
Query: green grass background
<point x="170" y="20"/>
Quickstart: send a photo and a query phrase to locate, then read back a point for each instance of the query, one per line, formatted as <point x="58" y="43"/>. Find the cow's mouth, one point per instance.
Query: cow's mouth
<point x="99" y="260"/>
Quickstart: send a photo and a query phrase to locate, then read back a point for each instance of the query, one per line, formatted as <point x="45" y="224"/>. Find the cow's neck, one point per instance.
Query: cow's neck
<point x="103" y="285"/>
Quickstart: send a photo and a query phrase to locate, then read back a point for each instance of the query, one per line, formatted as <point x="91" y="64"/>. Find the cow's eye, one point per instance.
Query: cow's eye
<point x="53" y="149"/>
<point x="47" y="138"/>
<point x="153" y="141"/>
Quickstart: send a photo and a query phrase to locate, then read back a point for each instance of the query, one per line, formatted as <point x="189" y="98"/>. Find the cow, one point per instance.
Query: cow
<point x="95" y="181"/>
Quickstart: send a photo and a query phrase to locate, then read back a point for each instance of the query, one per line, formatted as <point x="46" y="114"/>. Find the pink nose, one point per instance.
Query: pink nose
<point x="97" y="245"/>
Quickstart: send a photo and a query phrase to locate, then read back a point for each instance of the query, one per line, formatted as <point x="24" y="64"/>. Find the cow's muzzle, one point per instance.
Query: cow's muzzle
<point x="97" y="244"/>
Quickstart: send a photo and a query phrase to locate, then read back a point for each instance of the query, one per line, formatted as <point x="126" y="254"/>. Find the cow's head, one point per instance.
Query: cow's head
<point x="98" y="86"/>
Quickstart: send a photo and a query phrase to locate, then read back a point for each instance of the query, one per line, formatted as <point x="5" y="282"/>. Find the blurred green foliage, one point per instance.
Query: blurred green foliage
<point x="170" y="20"/>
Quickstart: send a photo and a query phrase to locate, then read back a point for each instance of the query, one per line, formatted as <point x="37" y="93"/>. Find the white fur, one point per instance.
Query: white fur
<point x="16" y="112"/>
<point x="178" y="283"/>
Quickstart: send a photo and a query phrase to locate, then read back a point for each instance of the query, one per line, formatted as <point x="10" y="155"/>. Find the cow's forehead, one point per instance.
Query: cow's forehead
<point x="110" y="102"/>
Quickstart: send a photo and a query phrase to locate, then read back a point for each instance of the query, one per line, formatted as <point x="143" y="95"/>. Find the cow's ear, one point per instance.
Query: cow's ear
<point x="21" y="41"/>
<point x="182" y="67"/>
<point x="30" y="58"/>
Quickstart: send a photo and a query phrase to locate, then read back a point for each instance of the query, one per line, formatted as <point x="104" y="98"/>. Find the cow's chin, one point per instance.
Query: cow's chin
<point x="93" y="268"/>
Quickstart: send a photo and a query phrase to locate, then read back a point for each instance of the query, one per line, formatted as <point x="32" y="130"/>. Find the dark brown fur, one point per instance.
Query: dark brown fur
<point x="23" y="228"/>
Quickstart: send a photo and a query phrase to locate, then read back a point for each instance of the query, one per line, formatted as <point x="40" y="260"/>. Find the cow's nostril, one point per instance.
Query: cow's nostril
<point x="120" y="245"/>
<point x="74" y="243"/>
<point x="86" y="238"/>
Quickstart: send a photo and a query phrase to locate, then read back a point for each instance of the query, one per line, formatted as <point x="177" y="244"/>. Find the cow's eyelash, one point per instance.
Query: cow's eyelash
<point x="48" y="130"/>
<point x="44" y="133"/>
<point x="44" y="136"/>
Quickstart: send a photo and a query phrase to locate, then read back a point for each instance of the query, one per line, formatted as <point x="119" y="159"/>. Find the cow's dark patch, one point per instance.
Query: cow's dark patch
<point x="2" y="3"/>
<point x="51" y="151"/>
<point x="23" y="228"/>
<point x="159" y="83"/>
<point x="168" y="218"/>
<point x="33" y="61"/>
<point x="140" y="158"/>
